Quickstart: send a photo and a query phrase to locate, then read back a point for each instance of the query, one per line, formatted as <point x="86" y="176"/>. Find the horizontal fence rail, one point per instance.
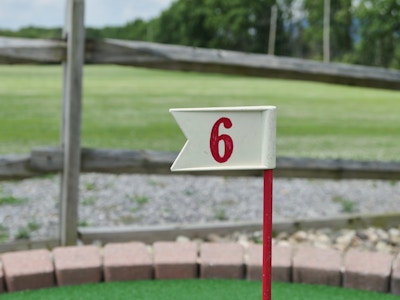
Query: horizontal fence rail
<point x="172" y="57"/>
<point x="50" y="160"/>
<point x="170" y="232"/>
<point x="150" y="234"/>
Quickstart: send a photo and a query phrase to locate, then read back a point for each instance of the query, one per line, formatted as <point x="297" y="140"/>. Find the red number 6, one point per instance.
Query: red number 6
<point x="215" y="138"/>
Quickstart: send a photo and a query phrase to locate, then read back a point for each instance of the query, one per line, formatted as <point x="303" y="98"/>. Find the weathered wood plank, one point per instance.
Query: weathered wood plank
<point x="24" y="51"/>
<point x="150" y="234"/>
<point x="47" y="160"/>
<point x="105" y="160"/>
<point x="27" y="244"/>
<point x="16" y="167"/>
<point x="172" y="57"/>
<point x="336" y="169"/>
<point x="50" y="160"/>
<point x="72" y="103"/>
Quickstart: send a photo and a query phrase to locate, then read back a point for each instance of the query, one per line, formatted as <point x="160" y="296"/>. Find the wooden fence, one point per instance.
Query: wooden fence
<point x="172" y="57"/>
<point x="73" y="50"/>
<point x="50" y="160"/>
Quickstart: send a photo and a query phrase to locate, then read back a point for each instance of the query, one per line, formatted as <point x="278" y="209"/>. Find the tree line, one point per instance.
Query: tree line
<point x="363" y="32"/>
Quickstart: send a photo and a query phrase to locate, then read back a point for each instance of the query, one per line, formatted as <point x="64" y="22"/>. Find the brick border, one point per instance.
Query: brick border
<point x="317" y="266"/>
<point x="77" y="265"/>
<point x="35" y="269"/>
<point x="28" y="270"/>
<point x="175" y="260"/>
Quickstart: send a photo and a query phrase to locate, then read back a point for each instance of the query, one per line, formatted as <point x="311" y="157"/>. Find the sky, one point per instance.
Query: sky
<point x="15" y="14"/>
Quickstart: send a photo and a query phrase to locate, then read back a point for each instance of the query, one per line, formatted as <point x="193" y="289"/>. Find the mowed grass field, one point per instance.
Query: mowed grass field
<point x="126" y="107"/>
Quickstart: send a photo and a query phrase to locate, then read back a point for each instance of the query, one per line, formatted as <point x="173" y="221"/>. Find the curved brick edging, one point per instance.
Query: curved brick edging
<point x="35" y="269"/>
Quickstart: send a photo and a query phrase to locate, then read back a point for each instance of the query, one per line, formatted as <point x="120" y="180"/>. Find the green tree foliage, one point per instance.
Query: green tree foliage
<point x="379" y="35"/>
<point x="241" y="25"/>
<point x="34" y="32"/>
<point x="313" y="28"/>
<point x="364" y="31"/>
<point x="135" y="30"/>
<point x="341" y="29"/>
<point x="183" y="23"/>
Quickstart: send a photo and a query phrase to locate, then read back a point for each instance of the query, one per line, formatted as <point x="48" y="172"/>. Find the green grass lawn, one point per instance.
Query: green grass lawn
<point x="195" y="290"/>
<point x="126" y="107"/>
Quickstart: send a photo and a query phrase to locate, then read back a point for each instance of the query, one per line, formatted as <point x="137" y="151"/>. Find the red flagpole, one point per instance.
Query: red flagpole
<point x="267" y="236"/>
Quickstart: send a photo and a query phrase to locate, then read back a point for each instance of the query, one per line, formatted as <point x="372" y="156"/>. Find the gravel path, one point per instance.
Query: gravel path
<point x="29" y="208"/>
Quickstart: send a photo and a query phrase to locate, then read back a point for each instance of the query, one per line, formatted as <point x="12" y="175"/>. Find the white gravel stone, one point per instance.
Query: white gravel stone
<point x="114" y="200"/>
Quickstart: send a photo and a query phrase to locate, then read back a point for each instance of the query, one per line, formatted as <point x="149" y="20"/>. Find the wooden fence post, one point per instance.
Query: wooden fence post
<point x="74" y="31"/>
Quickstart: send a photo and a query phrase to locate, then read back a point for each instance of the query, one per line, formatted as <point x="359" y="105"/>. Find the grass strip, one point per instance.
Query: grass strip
<point x="126" y="107"/>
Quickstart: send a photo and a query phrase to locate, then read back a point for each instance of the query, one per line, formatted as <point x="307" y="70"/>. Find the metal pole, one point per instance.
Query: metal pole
<point x="267" y="236"/>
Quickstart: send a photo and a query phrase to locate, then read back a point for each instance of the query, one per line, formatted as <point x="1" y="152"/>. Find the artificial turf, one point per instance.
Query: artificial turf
<point x="195" y="289"/>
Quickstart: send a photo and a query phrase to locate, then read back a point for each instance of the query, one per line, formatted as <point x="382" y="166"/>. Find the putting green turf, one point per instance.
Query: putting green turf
<point x="193" y="290"/>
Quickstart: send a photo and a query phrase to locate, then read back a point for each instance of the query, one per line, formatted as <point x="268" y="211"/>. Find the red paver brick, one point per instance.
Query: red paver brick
<point x="127" y="261"/>
<point x="317" y="266"/>
<point x="254" y="262"/>
<point x="77" y="265"/>
<point x="222" y="260"/>
<point x="27" y="270"/>
<point x="175" y="260"/>
<point x="282" y="263"/>
<point x="367" y="270"/>
<point x="395" y="283"/>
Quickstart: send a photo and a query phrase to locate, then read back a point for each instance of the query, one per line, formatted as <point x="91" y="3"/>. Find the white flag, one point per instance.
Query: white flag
<point x="226" y="138"/>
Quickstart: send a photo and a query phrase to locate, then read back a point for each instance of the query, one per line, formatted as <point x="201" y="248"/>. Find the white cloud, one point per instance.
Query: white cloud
<point x="50" y="13"/>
